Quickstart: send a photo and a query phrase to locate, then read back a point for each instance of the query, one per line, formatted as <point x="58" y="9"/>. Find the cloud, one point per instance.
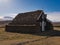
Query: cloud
<point x="8" y="16"/>
<point x="53" y="16"/>
<point x="1" y="17"/>
<point x="11" y="14"/>
<point x="4" y="1"/>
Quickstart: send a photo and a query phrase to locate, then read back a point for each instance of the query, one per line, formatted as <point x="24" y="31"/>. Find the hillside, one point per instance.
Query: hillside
<point x="56" y="23"/>
<point x="3" y="23"/>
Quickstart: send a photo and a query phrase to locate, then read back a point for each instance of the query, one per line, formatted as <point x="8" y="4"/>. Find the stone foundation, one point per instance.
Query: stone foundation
<point x="22" y="29"/>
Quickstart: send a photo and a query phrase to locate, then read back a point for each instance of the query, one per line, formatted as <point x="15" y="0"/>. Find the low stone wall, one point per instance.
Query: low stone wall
<point x="23" y="29"/>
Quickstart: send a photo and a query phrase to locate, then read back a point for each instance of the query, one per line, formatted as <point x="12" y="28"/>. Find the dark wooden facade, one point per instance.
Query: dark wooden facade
<point x="29" y="22"/>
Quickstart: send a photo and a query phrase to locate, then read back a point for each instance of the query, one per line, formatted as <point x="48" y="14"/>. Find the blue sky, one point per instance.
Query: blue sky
<point x="13" y="7"/>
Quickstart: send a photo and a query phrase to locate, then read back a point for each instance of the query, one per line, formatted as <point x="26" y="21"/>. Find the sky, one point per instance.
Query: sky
<point x="13" y="7"/>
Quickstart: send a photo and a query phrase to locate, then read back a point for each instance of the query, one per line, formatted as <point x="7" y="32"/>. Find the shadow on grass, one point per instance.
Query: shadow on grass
<point x="49" y="33"/>
<point x="45" y="33"/>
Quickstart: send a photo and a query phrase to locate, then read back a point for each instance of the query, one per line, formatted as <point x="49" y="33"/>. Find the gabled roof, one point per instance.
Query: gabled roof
<point x="28" y="17"/>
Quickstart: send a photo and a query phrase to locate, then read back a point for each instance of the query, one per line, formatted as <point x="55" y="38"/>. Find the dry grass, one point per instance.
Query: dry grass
<point x="57" y="28"/>
<point x="12" y="36"/>
<point x="8" y="38"/>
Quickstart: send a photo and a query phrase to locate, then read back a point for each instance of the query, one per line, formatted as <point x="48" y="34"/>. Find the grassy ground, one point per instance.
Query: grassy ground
<point x="9" y="38"/>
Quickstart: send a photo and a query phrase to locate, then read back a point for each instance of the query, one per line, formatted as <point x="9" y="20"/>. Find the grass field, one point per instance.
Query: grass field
<point x="9" y="38"/>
